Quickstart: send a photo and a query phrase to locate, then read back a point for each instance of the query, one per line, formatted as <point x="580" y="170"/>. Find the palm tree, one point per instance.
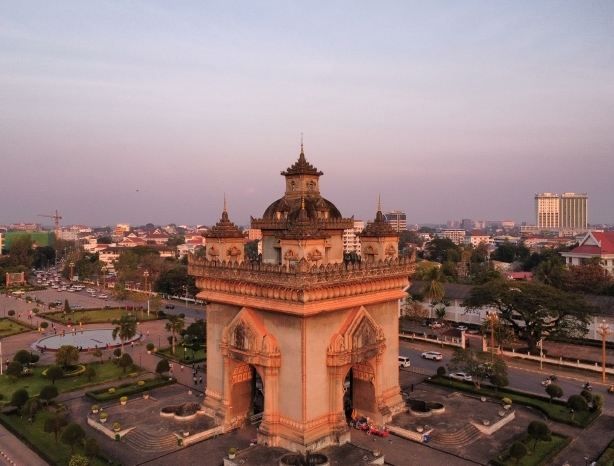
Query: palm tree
<point x="174" y="325"/>
<point x="125" y="329"/>
<point x="434" y="291"/>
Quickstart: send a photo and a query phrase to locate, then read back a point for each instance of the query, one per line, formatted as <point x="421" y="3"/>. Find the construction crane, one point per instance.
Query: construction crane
<point x="56" y="221"/>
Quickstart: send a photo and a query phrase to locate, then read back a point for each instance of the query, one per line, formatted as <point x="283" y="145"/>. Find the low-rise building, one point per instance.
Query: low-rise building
<point x="457" y="236"/>
<point x="351" y="238"/>
<point x="477" y="237"/>
<point x="596" y="244"/>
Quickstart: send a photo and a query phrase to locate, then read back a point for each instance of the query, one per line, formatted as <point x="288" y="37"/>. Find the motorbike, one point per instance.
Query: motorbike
<point x="588" y="386"/>
<point x="611" y="389"/>
<point x="550" y="379"/>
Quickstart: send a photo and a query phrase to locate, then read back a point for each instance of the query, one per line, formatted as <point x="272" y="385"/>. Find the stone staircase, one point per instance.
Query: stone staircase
<point x="458" y="438"/>
<point x="146" y="442"/>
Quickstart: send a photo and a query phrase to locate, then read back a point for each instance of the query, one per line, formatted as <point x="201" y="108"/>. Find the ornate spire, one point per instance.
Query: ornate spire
<point x="301" y="166"/>
<point x="379" y="226"/>
<point x="224" y="228"/>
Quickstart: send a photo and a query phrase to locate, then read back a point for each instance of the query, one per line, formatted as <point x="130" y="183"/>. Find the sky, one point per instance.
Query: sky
<point x="145" y="111"/>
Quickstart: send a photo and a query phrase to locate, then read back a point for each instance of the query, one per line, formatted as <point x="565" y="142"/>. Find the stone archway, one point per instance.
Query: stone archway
<point x="250" y="354"/>
<point x="357" y="349"/>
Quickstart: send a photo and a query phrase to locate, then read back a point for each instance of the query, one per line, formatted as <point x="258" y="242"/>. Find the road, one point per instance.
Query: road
<point x="522" y="375"/>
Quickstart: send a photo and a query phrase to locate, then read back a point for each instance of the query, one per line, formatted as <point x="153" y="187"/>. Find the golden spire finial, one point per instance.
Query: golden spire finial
<point x="302" y="143"/>
<point x="225" y="205"/>
<point x="302" y="203"/>
<point x="379" y="202"/>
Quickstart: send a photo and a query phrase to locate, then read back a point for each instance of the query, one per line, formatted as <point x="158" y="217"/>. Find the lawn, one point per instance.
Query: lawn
<point x="9" y="327"/>
<point x="97" y="316"/>
<point x="543" y="452"/>
<point x="128" y="389"/>
<point x="190" y="358"/>
<point x="607" y="457"/>
<point x="35" y="382"/>
<point x="557" y="410"/>
<point x="34" y="434"/>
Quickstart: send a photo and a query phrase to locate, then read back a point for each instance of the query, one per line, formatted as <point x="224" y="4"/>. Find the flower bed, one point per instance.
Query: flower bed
<point x="127" y="389"/>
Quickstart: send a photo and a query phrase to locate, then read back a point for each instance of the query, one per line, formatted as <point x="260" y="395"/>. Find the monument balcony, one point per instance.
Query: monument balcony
<point x="300" y="288"/>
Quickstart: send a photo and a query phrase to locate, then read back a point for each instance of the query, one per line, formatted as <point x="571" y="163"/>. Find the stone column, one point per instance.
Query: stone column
<point x="269" y="426"/>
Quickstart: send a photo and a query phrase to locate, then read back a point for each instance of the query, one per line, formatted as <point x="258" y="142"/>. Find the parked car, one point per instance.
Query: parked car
<point x="432" y="355"/>
<point x="461" y="376"/>
<point x="436" y="325"/>
<point x="462" y="328"/>
<point x="404" y="361"/>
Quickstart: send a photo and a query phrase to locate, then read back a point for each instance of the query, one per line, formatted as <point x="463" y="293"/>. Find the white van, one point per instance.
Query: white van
<point x="404" y="361"/>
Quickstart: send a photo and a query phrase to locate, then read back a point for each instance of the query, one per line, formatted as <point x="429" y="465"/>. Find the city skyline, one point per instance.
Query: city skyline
<point x="141" y="112"/>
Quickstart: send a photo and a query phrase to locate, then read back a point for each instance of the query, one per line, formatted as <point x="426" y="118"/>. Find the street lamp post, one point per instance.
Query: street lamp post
<point x="492" y="317"/>
<point x="541" y="354"/>
<point x="72" y="268"/>
<point x="146" y="275"/>
<point x="603" y="329"/>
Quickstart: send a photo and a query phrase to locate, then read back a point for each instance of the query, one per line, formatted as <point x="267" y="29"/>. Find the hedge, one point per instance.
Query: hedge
<point x="132" y="388"/>
<point x="541" y="403"/>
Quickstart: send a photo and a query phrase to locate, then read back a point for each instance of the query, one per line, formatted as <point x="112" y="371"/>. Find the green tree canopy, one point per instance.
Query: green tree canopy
<point x="73" y="435"/>
<point x="55" y="423"/>
<point x="532" y="309"/>
<point x="125" y="328"/>
<point x="162" y="367"/>
<point x="554" y="391"/>
<point x="48" y="393"/>
<point x="66" y="355"/>
<point x="54" y="373"/>
<point x="20" y="397"/>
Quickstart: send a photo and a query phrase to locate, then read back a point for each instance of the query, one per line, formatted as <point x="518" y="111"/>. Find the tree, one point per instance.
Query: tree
<point x="97" y="353"/>
<point x="518" y="450"/>
<point x="174" y="325"/>
<point x="23" y="357"/>
<point x="73" y="434"/>
<point x="54" y="373"/>
<point x="499" y="380"/>
<point x="554" y="391"/>
<point x="19" y="398"/>
<point x="66" y="356"/>
<point x="538" y="430"/>
<point x="30" y="408"/>
<point x="90" y="372"/>
<point x="532" y="309"/>
<point x="42" y="256"/>
<point x="125" y="361"/>
<point x="48" y="393"/>
<point x="442" y="250"/>
<point x="508" y="252"/>
<point x="55" y="423"/>
<point x="14" y="369"/>
<point x="162" y="367"/>
<point x="478" y="365"/>
<point x="577" y="403"/>
<point x="590" y="278"/>
<point x="21" y="250"/>
<point x="125" y="329"/>
<point x="67" y="309"/>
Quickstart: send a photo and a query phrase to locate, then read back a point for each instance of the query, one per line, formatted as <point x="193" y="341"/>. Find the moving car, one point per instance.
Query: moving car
<point x="404" y="361"/>
<point x="461" y="376"/>
<point x="432" y="355"/>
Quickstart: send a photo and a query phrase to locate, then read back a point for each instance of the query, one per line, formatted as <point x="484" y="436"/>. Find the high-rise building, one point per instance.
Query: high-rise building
<point x="565" y="212"/>
<point x="397" y="220"/>
<point x="351" y="240"/>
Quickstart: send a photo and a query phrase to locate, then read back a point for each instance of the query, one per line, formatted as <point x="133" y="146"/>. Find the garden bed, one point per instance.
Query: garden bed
<point x="9" y="327"/>
<point x="540" y="454"/>
<point x="127" y="389"/>
<point x="97" y="316"/>
<point x="199" y="356"/>
<point x="555" y="410"/>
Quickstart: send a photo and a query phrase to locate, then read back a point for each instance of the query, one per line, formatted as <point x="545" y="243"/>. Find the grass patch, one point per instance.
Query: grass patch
<point x="128" y="389"/>
<point x="557" y="410"/>
<point x="607" y="456"/>
<point x="543" y="451"/>
<point x="97" y="316"/>
<point x="43" y="443"/>
<point x="10" y="327"/>
<point x="34" y="383"/>
<point x="199" y="356"/>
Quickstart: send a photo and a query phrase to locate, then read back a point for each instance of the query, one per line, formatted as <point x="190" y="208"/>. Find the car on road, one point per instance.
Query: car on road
<point x="103" y="296"/>
<point x="436" y="325"/>
<point x="461" y="376"/>
<point x="432" y="355"/>
<point x="169" y="306"/>
<point x="462" y="328"/>
<point x="404" y="361"/>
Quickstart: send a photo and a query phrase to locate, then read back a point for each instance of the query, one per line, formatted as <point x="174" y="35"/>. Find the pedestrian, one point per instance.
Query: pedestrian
<point x="200" y="380"/>
<point x="181" y="367"/>
<point x="194" y="378"/>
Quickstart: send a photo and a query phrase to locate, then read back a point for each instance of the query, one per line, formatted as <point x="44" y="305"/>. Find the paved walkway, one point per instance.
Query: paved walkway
<point x="15" y="453"/>
<point x="588" y="443"/>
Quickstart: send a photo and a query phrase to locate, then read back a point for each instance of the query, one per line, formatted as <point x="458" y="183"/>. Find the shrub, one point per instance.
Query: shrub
<point x="11" y="313"/>
<point x="73" y="434"/>
<point x="577" y="403"/>
<point x="103" y="415"/>
<point x="91" y="447"/>
<point x="78" y="460"/>
<point x="19" y="397"/>
<point x="588" y="396"/>
<point x="90" y="372"/>
<point x="538" y="430"/>
<point x="48" y="393"/>
<point x="117" y="426"/>
<point x="54" y="373"/>
<point x="518" y="450"/>
<point x="162" y="367"/>
<point x="14" y="369"/>
<point x="140" y="383"/>
<point x="44" y="324"/>
<point x="554" y="391"/>
<point x="123" y="399"/>
<point x="67" y="355"/>
<point x="597" y="402"/>
<point x="117" y="352"/>
<point x="22" y="357"/>
<point x="111" y="390"/>
<point x="34" y="358"/>
<point x="150" y="346"/>
<point x="506" y="401"/>
<point x="125" y="361"/>
<point x="441" y="371"/>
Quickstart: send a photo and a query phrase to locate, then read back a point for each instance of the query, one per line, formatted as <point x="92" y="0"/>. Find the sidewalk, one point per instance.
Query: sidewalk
<point x="15" y="453"/>
<point x="589" y="443"/>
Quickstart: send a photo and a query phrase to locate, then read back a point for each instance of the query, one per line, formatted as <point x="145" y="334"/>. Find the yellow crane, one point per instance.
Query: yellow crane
<point x="56" y="221"/>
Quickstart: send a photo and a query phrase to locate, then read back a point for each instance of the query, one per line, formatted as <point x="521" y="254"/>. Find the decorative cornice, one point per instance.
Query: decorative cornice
<point x="320" y="224"/>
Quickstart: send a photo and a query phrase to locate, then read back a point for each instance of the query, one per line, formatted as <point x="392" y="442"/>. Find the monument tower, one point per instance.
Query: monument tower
<point x="315" y="337"/>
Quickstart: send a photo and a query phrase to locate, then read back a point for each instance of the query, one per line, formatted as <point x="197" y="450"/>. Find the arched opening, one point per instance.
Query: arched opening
<point x="247" y="393"/>
<point x="359" y="391"/>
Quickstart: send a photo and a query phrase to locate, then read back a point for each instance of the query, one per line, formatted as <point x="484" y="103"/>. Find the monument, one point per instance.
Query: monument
<point x="301" y="335"/>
